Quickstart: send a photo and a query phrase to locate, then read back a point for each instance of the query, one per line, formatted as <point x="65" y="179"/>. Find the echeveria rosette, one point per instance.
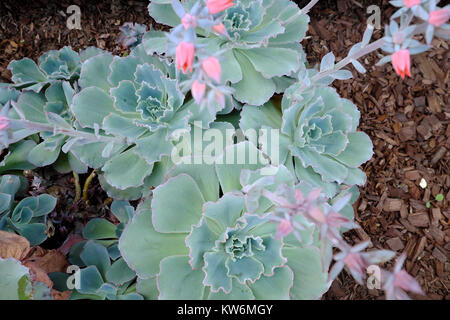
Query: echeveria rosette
<point x="202" y="246"/>
<point x="28" y="217"/>
<point x="263" y="47"/>
<point x="46" y="112"/>
<point x="49" y="107"/>
<point x="63" y="64"/>
<point x="131" y="34"/>
<point x="134" y="102"/>
<point x="318" y="137"/>
<point x="103" y="273"/>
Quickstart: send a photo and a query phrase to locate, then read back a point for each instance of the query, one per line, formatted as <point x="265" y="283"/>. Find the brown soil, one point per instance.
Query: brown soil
<point x="407" y="120"/>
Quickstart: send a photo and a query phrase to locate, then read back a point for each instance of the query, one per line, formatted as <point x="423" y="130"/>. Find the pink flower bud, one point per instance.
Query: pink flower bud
<point x="284" y="228"/>
<point x="401" y="61"/>
<point x="439" y="17"/>
<point x="216" y="6"/>
<point x="220" y="29"/>
<point x="411" y="3"/>
<point x="189" y="21"/>
<point x="212" y="68"/>
<point x="185" y="56"/>
<point x="198" y="90"/>
<point x="4" y="122"/>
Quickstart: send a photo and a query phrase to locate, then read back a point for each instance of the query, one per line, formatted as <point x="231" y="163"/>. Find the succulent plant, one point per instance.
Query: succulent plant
<point x="50" y="115"/>
<point x="263" y="44"/>
<point x="28" y="217"/>
<point x="102" y="229"/>
<point x="44" y="116"/>
<point x="200" y="245"/>
<point x="131" y="34"/>
<point x="137" y="108"/>
<point x="318" y="137"/>
<point x="103" y="274"/>
<point x="16" y="282"/>
<point x="54" y="65"/>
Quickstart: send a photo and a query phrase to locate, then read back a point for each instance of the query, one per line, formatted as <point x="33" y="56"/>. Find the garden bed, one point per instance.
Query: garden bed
<point x="407" y="120"/>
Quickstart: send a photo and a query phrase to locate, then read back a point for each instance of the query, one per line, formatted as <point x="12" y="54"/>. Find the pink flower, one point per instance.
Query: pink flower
<point x="220" y="29"/>
<point x="216" y="6"/>
<point x="198" y="90"/>
<point x="411" y="3"/>
<point x="329" y="222"/>
<point x="284" y="228"/>
<point x="401" y="61"/>
<point x="357" y="261"/>
<point x="189" y="21"/>
<point x="439" y="17"/>
<point x="185" y="56"/>
<point x="399" y="281"/>
<point x="212" y="68"/>
<point x="4" y="122"/>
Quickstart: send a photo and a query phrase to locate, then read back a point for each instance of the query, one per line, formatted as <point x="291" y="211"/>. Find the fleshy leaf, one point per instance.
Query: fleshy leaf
<point x="95" y="71"/>
<point x="91" y="106"/>
<point x="177" y="214"/>
<point x="143" y="247"/>
<point x="98" y="228"/>
<point x="126" y="170"/>
<point x="13" y="287"/>
<point x="310" y="282"/>
<point x="95" y="254"/>
<point x="119" y="273"/>
<point x="243" y="155"/>
<point x="216" y="272"/>
<point x="178" y="281"/>
<point x="275" y="287"/>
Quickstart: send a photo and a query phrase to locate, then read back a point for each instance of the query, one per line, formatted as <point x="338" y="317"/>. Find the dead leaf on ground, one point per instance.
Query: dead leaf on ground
<point x="48" y="260"/>
<point x="13" y="246"/>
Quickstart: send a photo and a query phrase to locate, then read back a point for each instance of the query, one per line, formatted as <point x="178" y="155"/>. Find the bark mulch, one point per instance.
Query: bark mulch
<point x="407" y="120"/>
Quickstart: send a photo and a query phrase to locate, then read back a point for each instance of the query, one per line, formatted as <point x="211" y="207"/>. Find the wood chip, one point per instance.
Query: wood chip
<point x="437" y="234"/>
<point x="438" y="254"/>
<point x="391" y="205"/>
<point x="404" y="211"/>
<point x="408" y="225"/>
<point x="407" y="133"/>
<point x="424" y="129"/>
<point x="435" y="216"/>
<point x="418" y="249"/>
<point x="395" y="244"/>
<point x="413" y="175"/>
<point x="419" y="219"/>
<point x="439" y="154"/>
<point x="433" y="104"/>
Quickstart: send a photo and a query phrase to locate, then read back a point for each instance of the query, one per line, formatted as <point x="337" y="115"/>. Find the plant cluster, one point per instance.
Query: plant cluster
<point x="261" y="216"/>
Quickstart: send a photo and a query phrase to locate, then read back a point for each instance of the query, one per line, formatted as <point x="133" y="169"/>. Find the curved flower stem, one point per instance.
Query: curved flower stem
<point x="362" y="52"/>
<point x="77" y="187"/>
<point x="40" y="127"/>
<point x="305" y="10"/>
<point x="308" y="7"/>
<point x="86" y="185"/>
